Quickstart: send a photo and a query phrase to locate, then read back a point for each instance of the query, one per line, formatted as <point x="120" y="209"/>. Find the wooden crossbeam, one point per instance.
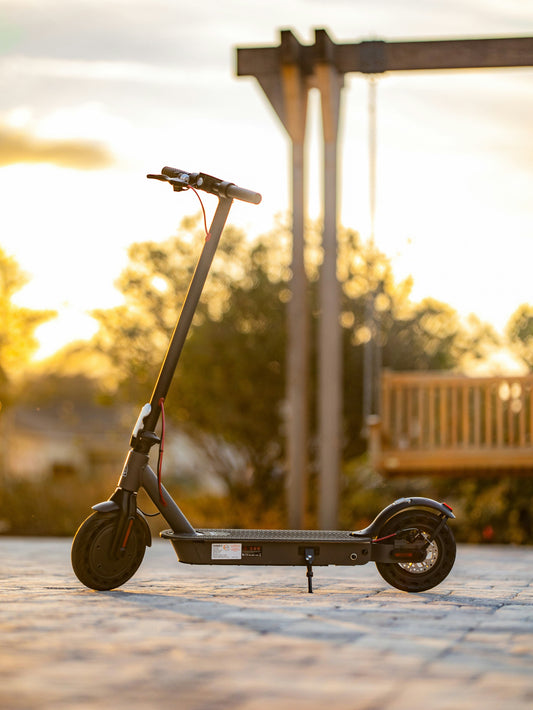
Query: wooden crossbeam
<point x="379" y="56"/>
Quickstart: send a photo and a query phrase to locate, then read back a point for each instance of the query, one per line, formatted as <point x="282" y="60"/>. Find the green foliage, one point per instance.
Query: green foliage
<point x="230" y="384"/>
<point x="49" y="506"/>
<point x="17" y="325"/>
<point x="231" y="377"/>
<point x="495" y="509"/>
<point x="488" y="509"/>
<point x="58" y="506"/>
<point x="520" y="333"/>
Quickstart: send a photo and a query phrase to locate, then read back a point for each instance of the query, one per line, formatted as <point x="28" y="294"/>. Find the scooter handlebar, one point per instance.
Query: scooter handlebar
<point x="181" y="180"/>
<point x="241" y="193"/>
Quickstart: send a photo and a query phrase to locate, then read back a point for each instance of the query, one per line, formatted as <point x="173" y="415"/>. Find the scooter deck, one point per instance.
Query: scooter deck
<point x="270" y="547"/>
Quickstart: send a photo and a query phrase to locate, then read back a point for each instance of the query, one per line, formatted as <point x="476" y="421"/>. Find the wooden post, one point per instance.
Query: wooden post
<point x="329" y="82"/>
<point x="295" y="91"/>
<point x="284" y="81"/>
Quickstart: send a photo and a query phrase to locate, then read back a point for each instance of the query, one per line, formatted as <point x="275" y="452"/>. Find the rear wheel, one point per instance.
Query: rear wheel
<point x="91" y="557"/>
<point x="416" y="526"/>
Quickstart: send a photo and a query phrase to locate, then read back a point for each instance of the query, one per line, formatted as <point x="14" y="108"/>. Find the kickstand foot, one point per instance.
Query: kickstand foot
<point x="309" y="558"/>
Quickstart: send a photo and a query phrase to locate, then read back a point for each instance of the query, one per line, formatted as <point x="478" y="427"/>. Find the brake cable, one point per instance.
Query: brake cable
<point x="207" y="232"/>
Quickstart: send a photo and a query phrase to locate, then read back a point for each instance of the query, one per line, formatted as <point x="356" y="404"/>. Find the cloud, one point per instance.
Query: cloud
<point x="18" y="146"/>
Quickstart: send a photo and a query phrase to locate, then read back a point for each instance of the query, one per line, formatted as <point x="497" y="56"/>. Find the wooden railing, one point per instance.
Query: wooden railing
<point x="435" y="422"/>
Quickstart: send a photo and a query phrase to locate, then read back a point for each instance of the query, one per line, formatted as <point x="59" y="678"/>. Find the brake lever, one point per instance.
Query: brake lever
<point x="177" y="184"/>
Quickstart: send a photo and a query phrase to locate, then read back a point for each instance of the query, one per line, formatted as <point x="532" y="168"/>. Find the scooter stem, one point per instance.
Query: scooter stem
<point x="187" y="313"/>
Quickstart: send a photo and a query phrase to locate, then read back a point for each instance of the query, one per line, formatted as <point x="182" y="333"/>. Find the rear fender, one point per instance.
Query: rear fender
<point x="414" y="503"/>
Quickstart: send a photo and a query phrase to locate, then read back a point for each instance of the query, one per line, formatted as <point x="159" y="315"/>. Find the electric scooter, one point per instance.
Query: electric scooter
<point x="409" y="541"/>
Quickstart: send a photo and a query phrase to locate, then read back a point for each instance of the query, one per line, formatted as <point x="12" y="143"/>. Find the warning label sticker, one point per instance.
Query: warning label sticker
<point x="226" y="551"/>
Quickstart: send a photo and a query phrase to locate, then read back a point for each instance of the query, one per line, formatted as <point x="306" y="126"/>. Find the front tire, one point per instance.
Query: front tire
<point x="440" y="554"/>
<point x="91" y="557"/>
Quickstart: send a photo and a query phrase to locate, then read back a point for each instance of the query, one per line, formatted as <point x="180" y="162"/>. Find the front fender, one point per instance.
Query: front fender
<point x="109" y="506"/>
<point x="398" y="506"/>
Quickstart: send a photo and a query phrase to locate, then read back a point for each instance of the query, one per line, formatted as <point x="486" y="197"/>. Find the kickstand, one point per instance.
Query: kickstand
<point x="309" y="558"/>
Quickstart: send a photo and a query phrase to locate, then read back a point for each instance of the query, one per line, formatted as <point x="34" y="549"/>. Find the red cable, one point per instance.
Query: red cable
<point x="161" y="449"/>
<point x="207" y="232"/>
<point x="380" y="539"/>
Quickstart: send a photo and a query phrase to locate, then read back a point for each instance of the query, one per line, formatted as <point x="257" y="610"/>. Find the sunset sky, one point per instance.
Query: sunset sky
<point x="94" y="94"/>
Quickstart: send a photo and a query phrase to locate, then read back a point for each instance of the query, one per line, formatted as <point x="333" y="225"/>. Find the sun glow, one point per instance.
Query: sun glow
<point x="453" y="166"/>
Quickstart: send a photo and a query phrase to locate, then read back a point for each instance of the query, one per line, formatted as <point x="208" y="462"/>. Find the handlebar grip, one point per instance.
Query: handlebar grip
<point x="241" y="193"/>
<point x="173" y="172"/>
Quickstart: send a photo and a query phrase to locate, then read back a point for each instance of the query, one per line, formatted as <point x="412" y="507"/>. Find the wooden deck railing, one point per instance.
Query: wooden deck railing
<point x="435" y="422"/>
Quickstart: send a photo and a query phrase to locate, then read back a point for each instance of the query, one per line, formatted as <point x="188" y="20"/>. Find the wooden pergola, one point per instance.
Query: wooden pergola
<point x="286" y="73"/>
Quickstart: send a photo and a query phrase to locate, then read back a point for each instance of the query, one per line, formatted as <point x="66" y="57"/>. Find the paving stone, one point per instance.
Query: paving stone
<point x="217" y="638"/>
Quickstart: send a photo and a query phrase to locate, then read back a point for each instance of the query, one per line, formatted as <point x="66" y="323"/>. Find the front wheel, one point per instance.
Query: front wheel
<point x="417" y="525"/>
<point x="92" y="560"/>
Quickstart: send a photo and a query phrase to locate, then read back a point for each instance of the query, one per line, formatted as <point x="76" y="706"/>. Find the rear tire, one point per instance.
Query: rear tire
<point x="91" y="557"/>
<point x="440" y="556"/>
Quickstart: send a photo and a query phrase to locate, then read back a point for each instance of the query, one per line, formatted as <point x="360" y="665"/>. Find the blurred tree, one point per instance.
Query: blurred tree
<point x="230" y="382"/>
<point x="17" y="326"/>
<point x="229" y="388"/>
<point x="520" y="333"/>
<point x="134" y="336"/>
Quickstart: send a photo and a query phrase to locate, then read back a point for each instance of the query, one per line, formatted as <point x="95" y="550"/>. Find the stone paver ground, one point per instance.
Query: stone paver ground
<point x="230" y="638"/>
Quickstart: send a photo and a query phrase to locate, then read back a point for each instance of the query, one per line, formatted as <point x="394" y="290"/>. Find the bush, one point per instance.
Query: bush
<point x="49" y="506"/>
<point x="488" y="510"/>
<point x="492" y="509"/>
<point x="56" y="507"/>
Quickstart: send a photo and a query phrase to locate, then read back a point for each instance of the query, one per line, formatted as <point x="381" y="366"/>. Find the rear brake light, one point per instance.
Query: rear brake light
<point x="403" y="555"/>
